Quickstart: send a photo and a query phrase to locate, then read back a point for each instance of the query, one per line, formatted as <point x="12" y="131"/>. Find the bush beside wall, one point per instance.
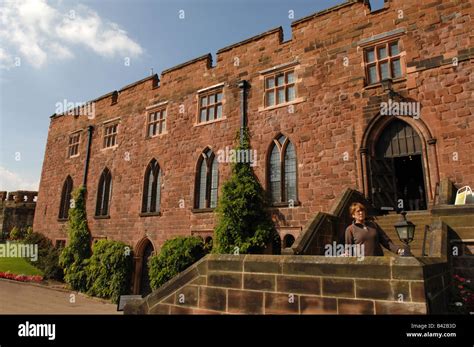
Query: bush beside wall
<point x="48" y="256"/>
<point x="175" y="256"/>
<point x="109" y="270"/>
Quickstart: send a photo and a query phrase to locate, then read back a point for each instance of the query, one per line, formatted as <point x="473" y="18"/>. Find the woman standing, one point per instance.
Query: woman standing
<point x="368" y="234"/>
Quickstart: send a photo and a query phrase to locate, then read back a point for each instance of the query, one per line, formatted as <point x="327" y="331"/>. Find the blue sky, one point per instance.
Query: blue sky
<point x="57" y="50"/>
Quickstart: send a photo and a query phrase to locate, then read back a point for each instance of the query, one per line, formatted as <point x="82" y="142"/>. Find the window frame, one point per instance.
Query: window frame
<point x="377" y="62"/>
<point x="113" y="135"/>
<point x="209" y="160"/>
<point x="102" y="204"/>
<point x="153" y="166"/>
<point x="282" y="148"/>
<point x="161" y="122"/>
<point x="206" y="94"/>
<point x="64" y="204"/>
<point x="276" y="87"/>
<point x="74" y="145"/>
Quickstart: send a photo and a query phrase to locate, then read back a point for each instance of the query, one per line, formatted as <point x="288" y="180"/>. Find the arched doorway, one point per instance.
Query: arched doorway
<point x="396" y="170"/>
<point x="144" y="250"/>
<point x="145" y="287"/>
<point x="288" y="241"/>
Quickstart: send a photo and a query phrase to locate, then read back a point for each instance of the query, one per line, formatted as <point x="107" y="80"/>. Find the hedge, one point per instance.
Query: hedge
<point x="175" y="256"/>
<point x="109" y="270"/>
<point x="48" y="256"/>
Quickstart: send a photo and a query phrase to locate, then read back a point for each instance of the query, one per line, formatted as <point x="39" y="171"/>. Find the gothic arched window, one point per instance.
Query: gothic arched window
<point x="104" y="193"/>
<point x="65" y="198"/>
<point x="207" y="177"/>
<point x="282" y="171"/>
<point x="152" y="188"/>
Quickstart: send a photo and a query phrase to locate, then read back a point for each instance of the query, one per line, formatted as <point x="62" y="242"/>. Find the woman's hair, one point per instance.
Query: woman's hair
<point x="355" y="206"/>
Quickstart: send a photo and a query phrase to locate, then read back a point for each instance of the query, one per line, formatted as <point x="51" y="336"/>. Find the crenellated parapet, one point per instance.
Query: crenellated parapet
<point x="242" y="51"/>
<point x="17" y="209"/>
<point x="19" y="196"/>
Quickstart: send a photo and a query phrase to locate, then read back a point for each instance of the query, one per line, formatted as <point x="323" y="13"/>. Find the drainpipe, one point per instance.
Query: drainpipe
<point x="90" y="128"/>
<point x="243" y="108"/>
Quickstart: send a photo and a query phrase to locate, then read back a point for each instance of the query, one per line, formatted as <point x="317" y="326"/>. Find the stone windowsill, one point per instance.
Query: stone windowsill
<point x="109" y="148"/>
<point x="379" y="84"/>
<point x="149" y="214"/>
<point x="156" y="136"/>
<point x="285" y="104"/>
<point x="102" y="217"/>
<point x="203" y="210"/>
<point x="284" y="204"/>
<point x="210" y="122"/>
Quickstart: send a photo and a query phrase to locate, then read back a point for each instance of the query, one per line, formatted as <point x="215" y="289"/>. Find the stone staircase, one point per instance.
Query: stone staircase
<point x="460" y="221"/>
<point x="419" y="218"/>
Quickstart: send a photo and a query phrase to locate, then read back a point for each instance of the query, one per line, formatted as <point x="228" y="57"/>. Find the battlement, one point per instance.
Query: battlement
<point x="19" y="196"/>
<point x="270" y="38"/>
<point x="329" y="10"/>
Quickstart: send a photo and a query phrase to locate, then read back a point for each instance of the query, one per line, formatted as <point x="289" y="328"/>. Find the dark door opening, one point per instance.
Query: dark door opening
<point x="396" y="170"/>
<point x="410" y="183"/>
<point x="383" y="183"/>
<point x="145" y="287"/>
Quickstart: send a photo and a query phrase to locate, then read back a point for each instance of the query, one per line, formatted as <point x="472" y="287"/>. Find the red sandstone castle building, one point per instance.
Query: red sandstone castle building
<point x="148" y="154"/>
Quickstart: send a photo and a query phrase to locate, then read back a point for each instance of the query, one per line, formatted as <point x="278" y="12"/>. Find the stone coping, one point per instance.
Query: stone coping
<point x="453" y="209"/>
<point x="276" y="264"/>
<point x="320" y="259"/>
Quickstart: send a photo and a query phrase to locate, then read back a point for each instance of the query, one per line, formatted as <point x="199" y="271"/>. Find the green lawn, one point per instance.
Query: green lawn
<point x="18" y="266"/>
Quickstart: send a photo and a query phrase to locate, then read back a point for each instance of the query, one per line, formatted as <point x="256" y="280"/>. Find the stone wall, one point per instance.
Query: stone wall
<point x="265" y="284"/>
<point x="328" y="125"/>
<point x="460" y="243"/>
<point x="17" y="209"/>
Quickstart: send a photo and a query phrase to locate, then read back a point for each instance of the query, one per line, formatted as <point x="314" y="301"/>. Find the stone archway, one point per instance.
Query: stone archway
<point x="141" y="282"/>
<point x="288" y="241"/>
<point x="427" y="152"/>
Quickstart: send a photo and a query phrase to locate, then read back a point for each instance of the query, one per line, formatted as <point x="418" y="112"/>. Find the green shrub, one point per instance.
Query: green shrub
<point x="29" y="231"/>
<point x="48" y="256"/>
<point x="175" y="256"/>
<point x="17" y="233"/>
<point x="73" y="258"/>
<point x="244" y="224"/>
<point x="109" y="270"/>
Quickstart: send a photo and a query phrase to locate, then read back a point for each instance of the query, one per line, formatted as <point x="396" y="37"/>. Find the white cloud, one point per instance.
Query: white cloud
<point x="60" y="51"/>
<point x="11" y="181"/>
<point x="6" y="60"/>
<point x="87" y="28"/>
<point x="38" y="32"/>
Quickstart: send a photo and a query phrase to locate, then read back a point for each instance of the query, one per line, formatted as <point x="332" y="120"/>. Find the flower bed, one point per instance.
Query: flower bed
<point x="463" y="294"/>
<point x="21" y="278"/>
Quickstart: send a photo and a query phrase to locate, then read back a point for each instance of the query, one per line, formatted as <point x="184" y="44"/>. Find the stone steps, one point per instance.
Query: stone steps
<point x="419" y="218"/>
<point x="461" y="224"/>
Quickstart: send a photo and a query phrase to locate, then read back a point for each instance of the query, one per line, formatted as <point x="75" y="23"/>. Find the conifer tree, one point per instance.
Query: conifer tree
<point x="75" y="255"/>
<point x="244" y="225"/>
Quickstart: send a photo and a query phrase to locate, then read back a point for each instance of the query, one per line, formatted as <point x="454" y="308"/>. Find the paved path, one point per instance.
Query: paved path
<point x="26" y="298"/>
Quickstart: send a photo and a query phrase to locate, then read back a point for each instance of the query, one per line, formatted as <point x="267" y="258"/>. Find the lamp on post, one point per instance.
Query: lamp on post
<point x="405" y="231"/>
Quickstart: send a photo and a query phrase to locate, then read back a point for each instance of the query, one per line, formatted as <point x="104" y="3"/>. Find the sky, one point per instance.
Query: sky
<point x="54" y="52"/>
